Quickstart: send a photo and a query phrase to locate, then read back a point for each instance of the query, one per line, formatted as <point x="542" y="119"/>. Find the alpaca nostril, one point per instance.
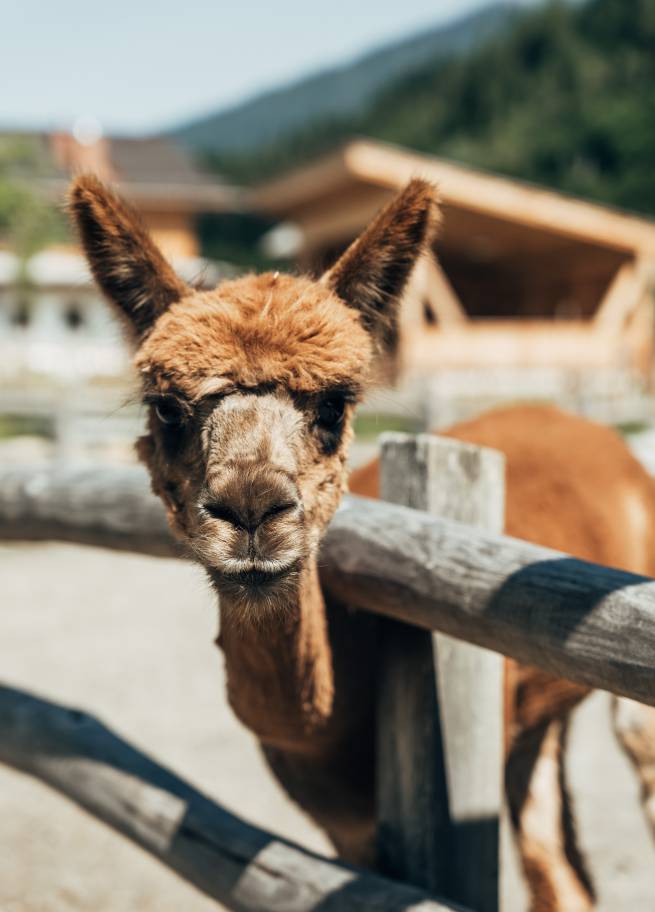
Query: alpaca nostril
<point x="225" y="513"/>
<point x="279" y="510"/>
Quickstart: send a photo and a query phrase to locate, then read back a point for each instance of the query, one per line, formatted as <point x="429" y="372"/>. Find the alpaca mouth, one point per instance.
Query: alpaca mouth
<point x="256" y="574"/>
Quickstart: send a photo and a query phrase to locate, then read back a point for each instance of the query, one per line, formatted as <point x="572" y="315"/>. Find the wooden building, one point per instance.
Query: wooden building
<point x="521" y="277"/>
<point x="159" y="177"/>
<point x="53" y="323"/>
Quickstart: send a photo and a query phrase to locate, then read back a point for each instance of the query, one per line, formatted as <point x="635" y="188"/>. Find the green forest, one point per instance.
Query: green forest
<point x="564" y="96"/>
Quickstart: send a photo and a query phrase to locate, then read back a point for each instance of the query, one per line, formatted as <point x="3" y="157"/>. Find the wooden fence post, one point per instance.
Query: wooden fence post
<point x="440" y="722"/>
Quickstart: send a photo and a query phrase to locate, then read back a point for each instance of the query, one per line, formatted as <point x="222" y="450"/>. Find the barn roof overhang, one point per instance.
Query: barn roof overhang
<point x="484" y="213"/>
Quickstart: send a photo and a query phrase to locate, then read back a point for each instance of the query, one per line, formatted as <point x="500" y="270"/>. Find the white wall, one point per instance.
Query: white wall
<point x="48" y="344"/>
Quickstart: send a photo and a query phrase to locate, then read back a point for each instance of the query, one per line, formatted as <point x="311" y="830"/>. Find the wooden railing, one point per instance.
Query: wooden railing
<point x="239" y="865"/>
<point x="584" y="622"/>
<point x="440" y="805"/>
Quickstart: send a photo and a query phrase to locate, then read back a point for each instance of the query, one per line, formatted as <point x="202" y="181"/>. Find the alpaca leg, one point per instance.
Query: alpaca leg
<point x="634" y="726"/>
<point x="541" y="814"/>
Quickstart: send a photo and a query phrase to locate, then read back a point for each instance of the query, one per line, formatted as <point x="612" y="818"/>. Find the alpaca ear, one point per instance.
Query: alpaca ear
<point x="127" y="265"/>
<point x="373" y="272"/>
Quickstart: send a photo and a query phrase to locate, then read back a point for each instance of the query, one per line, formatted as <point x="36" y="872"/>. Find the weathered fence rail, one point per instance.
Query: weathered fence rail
<point x="227" y="859"/>
<point x="587" y="623"/>
<point x="107" y="507"/>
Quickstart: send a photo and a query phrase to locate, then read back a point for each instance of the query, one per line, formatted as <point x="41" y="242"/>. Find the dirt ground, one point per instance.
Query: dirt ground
<point x="130" y="639"/>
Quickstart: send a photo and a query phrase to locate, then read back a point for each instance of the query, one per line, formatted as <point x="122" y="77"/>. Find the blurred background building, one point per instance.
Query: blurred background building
<point x="52" y="320"/>
<point x="527" y="293"/>
<point x="64" y="362"/>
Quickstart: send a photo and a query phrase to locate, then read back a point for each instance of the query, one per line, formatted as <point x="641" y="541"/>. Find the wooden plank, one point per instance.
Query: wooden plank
<point x="241" y="866"/>
<point x="414" y="831"/>
<point x="110" y="507"/>
<point x="430" y="285"/>
<point x="442" y="296"/>
<point x="621" y="298"/>
<point x="577" y="620"/>
<point x="506" y="343"/>
<point x="440" y="719"/>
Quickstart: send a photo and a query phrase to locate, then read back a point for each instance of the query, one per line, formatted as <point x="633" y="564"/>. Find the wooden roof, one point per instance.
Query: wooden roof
<point x="480" y="208"/>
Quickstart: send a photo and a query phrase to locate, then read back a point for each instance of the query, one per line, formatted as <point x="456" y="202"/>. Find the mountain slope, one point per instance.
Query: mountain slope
<point x="564" y="96"/>
<point x="339" y="92"/>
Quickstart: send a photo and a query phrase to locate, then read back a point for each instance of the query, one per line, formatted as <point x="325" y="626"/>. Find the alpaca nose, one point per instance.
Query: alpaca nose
<point x="248" y="519"/>
<point x="248" y="498"/>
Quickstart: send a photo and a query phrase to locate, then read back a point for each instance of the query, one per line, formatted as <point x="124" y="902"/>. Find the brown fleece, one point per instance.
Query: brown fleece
<point x="256" y="331"/>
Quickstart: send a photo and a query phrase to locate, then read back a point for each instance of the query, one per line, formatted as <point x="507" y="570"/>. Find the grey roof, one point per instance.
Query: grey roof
<point x="152" y="170"/>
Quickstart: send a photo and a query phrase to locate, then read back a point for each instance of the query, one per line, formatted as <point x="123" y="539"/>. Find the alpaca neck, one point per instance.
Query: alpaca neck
<point x="280" y="680"/>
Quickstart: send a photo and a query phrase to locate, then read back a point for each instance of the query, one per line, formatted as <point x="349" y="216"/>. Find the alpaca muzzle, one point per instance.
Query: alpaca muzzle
<point x="252" y="525"/>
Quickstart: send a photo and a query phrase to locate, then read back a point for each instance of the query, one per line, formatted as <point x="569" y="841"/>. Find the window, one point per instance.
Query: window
<point x="20" y="317"/>
<point x="429" y="316"/>
<point x="73" y="316"/>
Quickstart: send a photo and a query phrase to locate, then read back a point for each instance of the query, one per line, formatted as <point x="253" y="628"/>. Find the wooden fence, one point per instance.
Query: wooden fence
<point x="440" y="741"/>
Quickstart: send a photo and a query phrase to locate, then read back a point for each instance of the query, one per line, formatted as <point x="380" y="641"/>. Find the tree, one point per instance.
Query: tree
<point x="28" y="221"/>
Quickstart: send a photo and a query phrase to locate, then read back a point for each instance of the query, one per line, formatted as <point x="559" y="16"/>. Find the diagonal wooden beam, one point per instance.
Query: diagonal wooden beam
<point x="241" y="866"/>
<point x="622" y="296"/>
<point x="430" y="284"/>
<point x="441" y="294"/>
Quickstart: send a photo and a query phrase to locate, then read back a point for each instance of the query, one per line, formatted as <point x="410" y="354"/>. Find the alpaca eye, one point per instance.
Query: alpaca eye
<point x="330" y="412"/>
<point x="169" y="412"/>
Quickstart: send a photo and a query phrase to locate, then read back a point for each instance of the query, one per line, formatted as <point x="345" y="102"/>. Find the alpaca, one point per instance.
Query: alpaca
<point x="251" y="390"/>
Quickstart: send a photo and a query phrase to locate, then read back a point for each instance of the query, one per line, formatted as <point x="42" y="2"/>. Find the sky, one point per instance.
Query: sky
<point x="138" y="66"/>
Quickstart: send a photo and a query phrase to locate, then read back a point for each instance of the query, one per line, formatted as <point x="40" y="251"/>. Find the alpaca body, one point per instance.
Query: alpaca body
<point x="571" y="484"/>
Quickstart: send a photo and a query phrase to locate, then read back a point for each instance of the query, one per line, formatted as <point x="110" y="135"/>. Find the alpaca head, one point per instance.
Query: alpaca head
<point x="251" y="387"/>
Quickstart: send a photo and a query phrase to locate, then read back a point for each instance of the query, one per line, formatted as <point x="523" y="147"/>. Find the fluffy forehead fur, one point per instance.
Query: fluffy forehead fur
<point x="259" y="330"/>
<point x="254" y="331"/>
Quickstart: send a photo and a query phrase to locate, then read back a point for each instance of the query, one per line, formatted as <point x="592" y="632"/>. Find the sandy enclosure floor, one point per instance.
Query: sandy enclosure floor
<point x="130" y="639"/>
